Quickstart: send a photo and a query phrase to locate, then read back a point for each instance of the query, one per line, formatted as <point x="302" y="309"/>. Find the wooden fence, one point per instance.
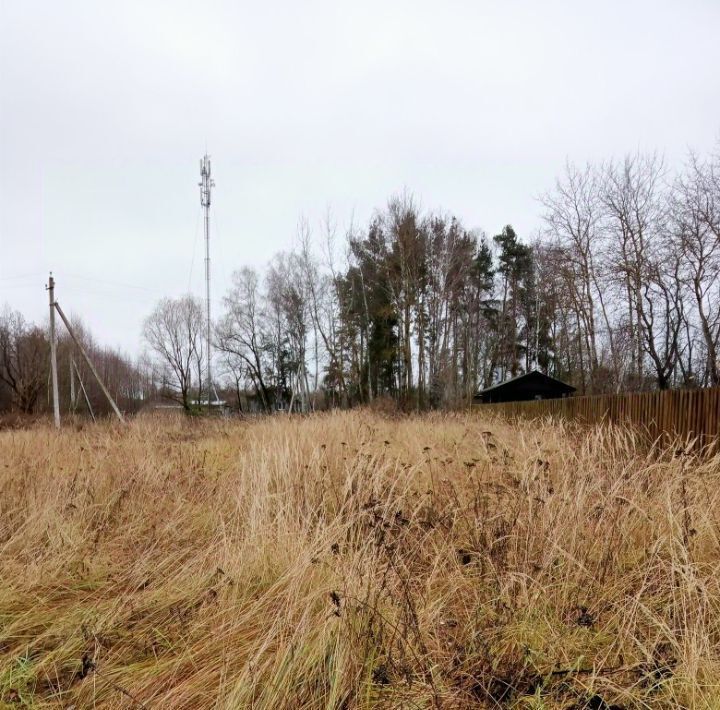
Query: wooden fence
<point x="685" y="413"/>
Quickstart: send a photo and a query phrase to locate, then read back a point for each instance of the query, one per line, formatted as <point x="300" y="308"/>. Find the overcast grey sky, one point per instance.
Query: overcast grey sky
<point x="106" y="108"/>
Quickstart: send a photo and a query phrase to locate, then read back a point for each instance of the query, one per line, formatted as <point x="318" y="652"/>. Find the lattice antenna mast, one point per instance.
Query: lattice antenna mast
<point x="206" y="184"/>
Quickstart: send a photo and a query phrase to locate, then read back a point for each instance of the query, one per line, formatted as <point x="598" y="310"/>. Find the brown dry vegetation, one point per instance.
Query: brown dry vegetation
<point x="353" y="560"/>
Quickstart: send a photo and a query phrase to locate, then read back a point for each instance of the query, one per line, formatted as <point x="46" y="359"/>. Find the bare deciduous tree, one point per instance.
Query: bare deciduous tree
<point x="242" y="333"/>
<point x="695" y="231"/>
<point x="633" y="218"/>
<point x="174" y="332"/>
<point x="23" y="359"/>
<point x="572" y="214"/>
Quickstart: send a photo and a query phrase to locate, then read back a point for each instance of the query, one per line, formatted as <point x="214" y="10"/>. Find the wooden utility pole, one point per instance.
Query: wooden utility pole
<point x="53" y="351"/>
<point x="89" y="364"/>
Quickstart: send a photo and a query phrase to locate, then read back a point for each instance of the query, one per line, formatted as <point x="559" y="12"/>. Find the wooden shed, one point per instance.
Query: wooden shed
<point x="531" y="385"/>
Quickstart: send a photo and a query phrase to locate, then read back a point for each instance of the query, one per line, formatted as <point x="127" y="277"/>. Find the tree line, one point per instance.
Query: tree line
<point x="619" y="290"/>
<point x="25" y="370"/>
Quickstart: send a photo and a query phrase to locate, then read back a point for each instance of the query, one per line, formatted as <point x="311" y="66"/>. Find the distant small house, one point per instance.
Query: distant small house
<point x="532" y="385"/>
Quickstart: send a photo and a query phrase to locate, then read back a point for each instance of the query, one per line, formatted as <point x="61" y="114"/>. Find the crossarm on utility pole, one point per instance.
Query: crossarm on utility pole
<point x="89" y="363"/>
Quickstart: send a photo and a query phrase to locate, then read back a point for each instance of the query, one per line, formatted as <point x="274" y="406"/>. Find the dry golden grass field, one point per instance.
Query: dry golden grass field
<point x="351" y="560"/>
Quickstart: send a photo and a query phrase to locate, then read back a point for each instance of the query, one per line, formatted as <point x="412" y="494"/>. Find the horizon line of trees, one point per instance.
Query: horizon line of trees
<point x="618" y="291"/>
<point x="25" y="370"/>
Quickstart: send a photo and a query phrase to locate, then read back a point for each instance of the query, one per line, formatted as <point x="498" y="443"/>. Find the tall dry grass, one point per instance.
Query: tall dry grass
<point x="349" y="560"/>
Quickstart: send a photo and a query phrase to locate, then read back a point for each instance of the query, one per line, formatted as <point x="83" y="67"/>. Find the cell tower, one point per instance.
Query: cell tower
<point x="206" y="184"/>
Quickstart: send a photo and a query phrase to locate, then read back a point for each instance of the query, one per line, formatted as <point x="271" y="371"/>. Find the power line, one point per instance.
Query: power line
<point x="28" y="285"/>
<point x="119" y="284"/>
<point x="118" y="297"/>
<point x="22" y="276"/>
<point x="108" y="295"/>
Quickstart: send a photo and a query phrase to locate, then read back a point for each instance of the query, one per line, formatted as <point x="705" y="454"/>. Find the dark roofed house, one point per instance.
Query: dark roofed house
<point x="532" y="385"/>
